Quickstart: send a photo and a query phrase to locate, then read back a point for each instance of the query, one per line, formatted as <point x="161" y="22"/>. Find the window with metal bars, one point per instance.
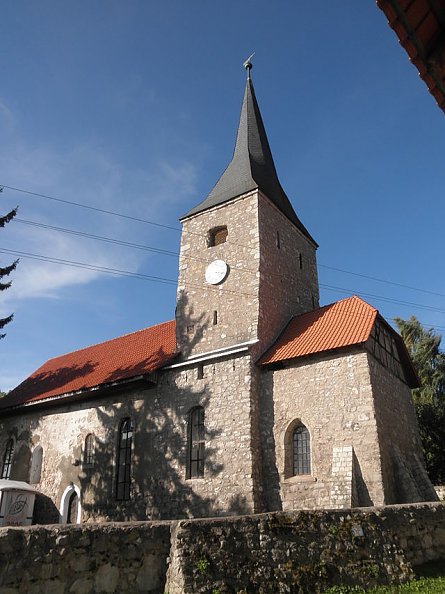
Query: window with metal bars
<point x="88" y="452"/>
<point x="7" y="459"/>
<point x="301" y="444"/>
<point x="123" y="475"/>
<point x="196" y="443"/>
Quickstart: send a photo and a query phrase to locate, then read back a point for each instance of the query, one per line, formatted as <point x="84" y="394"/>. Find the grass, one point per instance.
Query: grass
<point x="430" y="579"/>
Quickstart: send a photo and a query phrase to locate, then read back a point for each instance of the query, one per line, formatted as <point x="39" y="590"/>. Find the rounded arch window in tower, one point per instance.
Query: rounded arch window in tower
<point x="217" y="236"/>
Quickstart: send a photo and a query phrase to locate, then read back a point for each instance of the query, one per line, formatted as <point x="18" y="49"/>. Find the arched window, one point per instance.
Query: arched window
<point x="70" y="506"/>
<point x="123" y="475"/>
<point x="195" y="445"/>
<point x="73" y="505"/>
<point x="88" y="450"/>
<point x="36" y="465"/>
<point x="301" y="451"/>
<point x="7" y="459"/>
<point x="217" y="236"/>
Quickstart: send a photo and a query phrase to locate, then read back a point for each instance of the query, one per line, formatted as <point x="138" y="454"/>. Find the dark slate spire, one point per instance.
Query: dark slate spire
<point x="252" y="165"/>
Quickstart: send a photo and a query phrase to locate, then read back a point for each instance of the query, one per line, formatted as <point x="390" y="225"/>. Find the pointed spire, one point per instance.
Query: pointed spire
<point x="252" y="165"/>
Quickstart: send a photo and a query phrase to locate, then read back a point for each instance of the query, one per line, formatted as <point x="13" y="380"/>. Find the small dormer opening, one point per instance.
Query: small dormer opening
<point x="217" y="235"/>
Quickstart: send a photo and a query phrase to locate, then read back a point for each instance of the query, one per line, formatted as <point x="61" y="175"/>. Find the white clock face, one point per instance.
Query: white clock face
<point x="216" y="272"/>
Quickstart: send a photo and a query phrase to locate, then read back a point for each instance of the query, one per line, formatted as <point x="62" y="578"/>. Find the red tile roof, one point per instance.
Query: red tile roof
<point x="344" y="323"/>
<point x="121" y="358"/>
<point x="420" y="27"/>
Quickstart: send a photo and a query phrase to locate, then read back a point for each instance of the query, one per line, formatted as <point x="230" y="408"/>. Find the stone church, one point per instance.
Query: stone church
<point x="253" y="399"/>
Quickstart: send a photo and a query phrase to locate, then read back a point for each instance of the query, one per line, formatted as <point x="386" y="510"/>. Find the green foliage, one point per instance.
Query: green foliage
<point x="202" y="565"/>
<point x="6" y="270"/>
<point x="429" y="400"/>
<point x="418" y="586"/>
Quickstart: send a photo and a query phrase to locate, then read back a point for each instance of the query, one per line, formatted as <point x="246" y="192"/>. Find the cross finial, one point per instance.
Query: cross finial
<point x="248" y="64"/>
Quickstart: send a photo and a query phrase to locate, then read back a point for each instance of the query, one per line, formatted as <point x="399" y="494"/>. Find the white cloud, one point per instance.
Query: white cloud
<point x="84" y="174"/>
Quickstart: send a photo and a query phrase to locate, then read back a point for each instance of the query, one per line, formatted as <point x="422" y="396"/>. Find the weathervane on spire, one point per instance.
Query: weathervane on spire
<point x="248" y="64"/>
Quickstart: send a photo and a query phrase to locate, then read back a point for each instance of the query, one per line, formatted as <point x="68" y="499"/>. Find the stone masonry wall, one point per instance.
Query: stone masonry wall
<point x="332" y="396"/>
<point x="301" y="552"/>
<point x="265" y="286"/>
<point x="404" y="473"/>
<point x="84" y="559"/>
<point x="159" y="488"/>
<point x="264" y="554"/>
<point x="286" y="288"/>
<point x="236" y="299"/>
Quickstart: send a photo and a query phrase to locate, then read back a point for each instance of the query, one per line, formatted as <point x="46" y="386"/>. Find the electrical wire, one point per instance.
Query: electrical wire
<point x="118" y="272"/>
<point x="206" y="260"/>
<point x="94" y="208"/>
<point x="167" y="252"/>
<point x="175" y="254"/>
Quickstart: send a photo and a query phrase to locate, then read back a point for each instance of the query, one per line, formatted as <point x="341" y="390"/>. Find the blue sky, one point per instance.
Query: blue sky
<point x="133" y="106"/>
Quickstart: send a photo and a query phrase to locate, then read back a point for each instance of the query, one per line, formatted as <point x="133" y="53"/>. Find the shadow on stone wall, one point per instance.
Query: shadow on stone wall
<point x="159" y="457"/>
<point x="361" y="497"/>
<point x="271" y="478"/>
<point x="45" y="512"/>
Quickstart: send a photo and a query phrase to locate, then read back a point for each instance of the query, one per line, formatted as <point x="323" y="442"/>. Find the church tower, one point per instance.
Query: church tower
<point x="247" y="263"/>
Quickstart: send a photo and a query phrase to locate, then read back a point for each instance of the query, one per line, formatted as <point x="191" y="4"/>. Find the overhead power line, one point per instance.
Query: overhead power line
<point x="383" y="298"/>
<point x="94" y="208"/>
<point x="167" y="252"/>
<point x="175" y="254"/>
<point x="381" y="280"/>
<point x="117" y="271"/>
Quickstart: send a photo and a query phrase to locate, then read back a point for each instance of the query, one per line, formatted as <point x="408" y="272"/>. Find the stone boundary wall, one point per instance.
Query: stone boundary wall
<point x="292" y="552"/>
<point x="84" y="558"/>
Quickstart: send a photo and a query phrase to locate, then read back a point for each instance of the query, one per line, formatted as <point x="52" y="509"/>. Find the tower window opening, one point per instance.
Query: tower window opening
<point x="300" y="257"/>
<point x="200" y="373"/>
<point x="278" y="240"/>
<point x="215" y="317"/>
<point x="217" y="236"/>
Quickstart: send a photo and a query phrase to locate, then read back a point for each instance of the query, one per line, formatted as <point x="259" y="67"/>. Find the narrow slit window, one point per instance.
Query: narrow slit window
<point x="123" y="477"/>
<point x="300" y="257"/>
<point x="215" y="317"/>
<point x="200" y="373"/>
<point x="278" y="240"/>
<point x="196" y="443"/>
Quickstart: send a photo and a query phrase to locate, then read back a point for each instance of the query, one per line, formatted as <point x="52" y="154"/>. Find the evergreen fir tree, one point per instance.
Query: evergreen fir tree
<point x="6" y="270"/>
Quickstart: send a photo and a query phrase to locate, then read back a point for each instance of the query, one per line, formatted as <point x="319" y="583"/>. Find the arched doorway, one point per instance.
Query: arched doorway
<point x="70" y="510"/>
